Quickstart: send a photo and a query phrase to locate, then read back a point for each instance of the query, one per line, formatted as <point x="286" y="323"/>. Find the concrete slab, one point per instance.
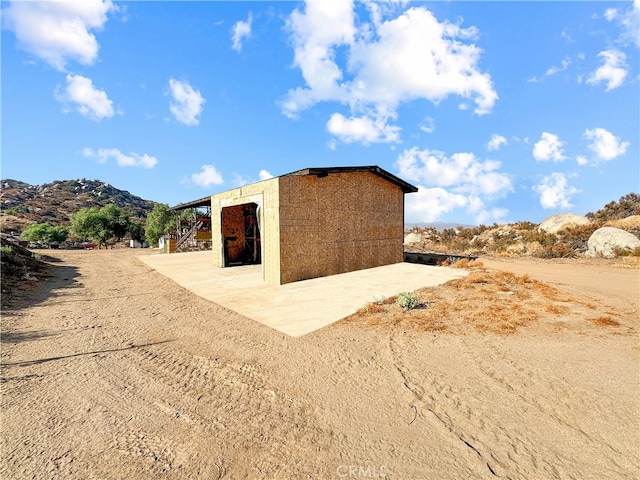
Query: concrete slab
<point x="295" y="308"/>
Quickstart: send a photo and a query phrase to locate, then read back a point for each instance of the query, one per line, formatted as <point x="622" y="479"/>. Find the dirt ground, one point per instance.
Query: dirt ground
<point x="112" y="371"/>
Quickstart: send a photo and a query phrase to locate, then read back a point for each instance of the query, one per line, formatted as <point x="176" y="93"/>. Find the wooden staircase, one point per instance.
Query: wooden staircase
<point x="189" y="236"/>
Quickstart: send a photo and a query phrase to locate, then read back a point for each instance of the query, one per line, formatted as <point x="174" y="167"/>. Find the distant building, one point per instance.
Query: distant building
<point x="137" y="244"/>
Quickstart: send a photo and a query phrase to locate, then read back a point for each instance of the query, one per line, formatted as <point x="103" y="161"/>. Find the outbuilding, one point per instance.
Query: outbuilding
<point x="311" y="223"/>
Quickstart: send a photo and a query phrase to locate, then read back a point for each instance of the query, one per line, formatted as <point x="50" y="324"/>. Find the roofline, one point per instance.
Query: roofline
<point x="324" y="171"/>
<point x="318" y="172"/>
<point x="201" y="202"/>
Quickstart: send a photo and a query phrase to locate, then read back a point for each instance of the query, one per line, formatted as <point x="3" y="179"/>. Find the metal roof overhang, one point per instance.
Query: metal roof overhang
<point x="202" y="202"/>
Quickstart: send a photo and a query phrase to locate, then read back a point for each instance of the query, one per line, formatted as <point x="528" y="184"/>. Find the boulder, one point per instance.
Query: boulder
<point x="562" y="221"/>
<point x="604" y="242"/>
<point x="628" y="223"/>
<point x="412" y="239"/>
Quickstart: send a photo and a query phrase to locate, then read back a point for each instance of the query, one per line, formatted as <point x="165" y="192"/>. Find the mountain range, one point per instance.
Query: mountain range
<point x="55" y="202"/>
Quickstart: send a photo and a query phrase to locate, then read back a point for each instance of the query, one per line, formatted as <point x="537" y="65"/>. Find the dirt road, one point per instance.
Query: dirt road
<point x="113" y="371"/>
<point x="591" y="276"/>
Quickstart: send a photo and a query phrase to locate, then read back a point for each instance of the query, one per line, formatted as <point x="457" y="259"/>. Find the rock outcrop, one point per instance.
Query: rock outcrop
<point x="628" y="223"/>
<point x="562" y="221"/>
<point x="413" y="239"/>
<point x="606" y="240"/>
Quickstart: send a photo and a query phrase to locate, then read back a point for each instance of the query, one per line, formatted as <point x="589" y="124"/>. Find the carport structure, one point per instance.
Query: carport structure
<point x="311" y="223"/>
<point x="193" y="226"/>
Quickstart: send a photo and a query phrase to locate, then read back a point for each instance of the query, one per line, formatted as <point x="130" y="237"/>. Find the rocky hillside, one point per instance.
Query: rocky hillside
<point x="55" y="202"/>
<point x="560" y="236"/>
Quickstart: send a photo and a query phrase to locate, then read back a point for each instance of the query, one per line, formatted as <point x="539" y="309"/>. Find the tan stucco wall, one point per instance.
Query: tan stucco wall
<point x="337" y="224"/>
<point x="265" y="194"/>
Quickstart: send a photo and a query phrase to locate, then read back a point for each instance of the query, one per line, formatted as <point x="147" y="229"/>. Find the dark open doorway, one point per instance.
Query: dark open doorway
<point x="241" y="235"/>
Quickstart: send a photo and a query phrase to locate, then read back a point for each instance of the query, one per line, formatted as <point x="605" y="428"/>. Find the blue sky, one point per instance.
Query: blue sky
<point x="498" y="111"/>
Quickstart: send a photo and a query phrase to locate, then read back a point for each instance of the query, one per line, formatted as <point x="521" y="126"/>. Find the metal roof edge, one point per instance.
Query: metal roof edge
<point x="319" y="172"/>
<point x="201" y="202"/>
<point x="376" y="170"/>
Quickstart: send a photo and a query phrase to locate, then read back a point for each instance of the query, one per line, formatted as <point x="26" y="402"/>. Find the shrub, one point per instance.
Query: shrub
<point x="408" y="300"/>
<point x="5" y="251"/>
<point x="626" y="252"/>
<point x="625" y="207"/>
<point x="43" y="232"/>
<point x="372" y="307"/>
<point x="17" y="210"/>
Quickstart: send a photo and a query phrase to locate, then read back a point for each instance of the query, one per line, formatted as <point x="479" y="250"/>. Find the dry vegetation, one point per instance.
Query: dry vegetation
<point x="21" y="271"/>
<point x="489" y="301"/>
<point x="524" y="238"/>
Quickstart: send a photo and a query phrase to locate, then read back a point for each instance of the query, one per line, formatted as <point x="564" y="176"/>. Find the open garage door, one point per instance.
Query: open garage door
<point x="241" y="235"/>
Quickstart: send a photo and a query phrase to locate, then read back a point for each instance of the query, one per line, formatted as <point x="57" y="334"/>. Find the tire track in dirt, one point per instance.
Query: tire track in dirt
<point x="493" y="435"/>
<point x="555" y="407"/>
<point x="440" y="401"/>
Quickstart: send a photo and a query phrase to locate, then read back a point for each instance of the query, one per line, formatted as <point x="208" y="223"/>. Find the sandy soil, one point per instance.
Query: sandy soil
<point x="111" y="370"/>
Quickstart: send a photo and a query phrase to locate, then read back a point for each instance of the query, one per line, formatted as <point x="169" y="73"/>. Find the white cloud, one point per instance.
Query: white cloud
<point x="629" y="22"/>
<point x="187" y="102"/>
<point x="207" y="177"/>
<point x="555" y="192"/>
<point x="566" y="62"/>
<point x="605" y="144"/>
<point x="554" y="70"/>
<point x="416" y="56"/>
<point x="429" y="125"/>
<point x="429" y="204"/>
<point x="445" y="183"/>
<point x="315" y="32"/>
<point x="264" y="175"/>
<point x="240" y="180"/>
<point x="567" y="36"/>
<point x="412" y="56"/>
<point x="614" y="70"/>
<point x="122" y="160"/>
<point x="582" y="160"/>
<point x="89" y="101"/>
<point x="496" y="142"/>
<point x="610" y="14"/>
<point x="362" y="129"/>
<point x="494" y="215"/>
<point x="549" y="147"/>
<point x="239" y="31"/>
<point x="464" y="172"/>
<point x="58" y="31"/>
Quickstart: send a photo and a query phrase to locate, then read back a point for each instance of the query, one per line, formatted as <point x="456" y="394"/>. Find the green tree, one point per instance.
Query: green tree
<point x="159" y="221"/>
<point x="58" y="234"/>
<point x="88" y="224"/>
<point x="136" y="231"/>
<point x="101" y="225"/>
<point x="43" y="232"/>
<point x="117" y="220"/>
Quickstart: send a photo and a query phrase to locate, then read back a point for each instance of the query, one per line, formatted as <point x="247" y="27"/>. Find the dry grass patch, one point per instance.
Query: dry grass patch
<point x="487" y="301"/>
<point x="604" y="321"/>
<point x="464" y="263"/>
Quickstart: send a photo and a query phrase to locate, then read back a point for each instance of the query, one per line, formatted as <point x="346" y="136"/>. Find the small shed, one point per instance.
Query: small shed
<point x="311" y="223"/>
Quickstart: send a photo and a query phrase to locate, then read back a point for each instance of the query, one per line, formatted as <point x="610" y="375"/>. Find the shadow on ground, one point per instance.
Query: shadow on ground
<point x="35" y="287"/>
